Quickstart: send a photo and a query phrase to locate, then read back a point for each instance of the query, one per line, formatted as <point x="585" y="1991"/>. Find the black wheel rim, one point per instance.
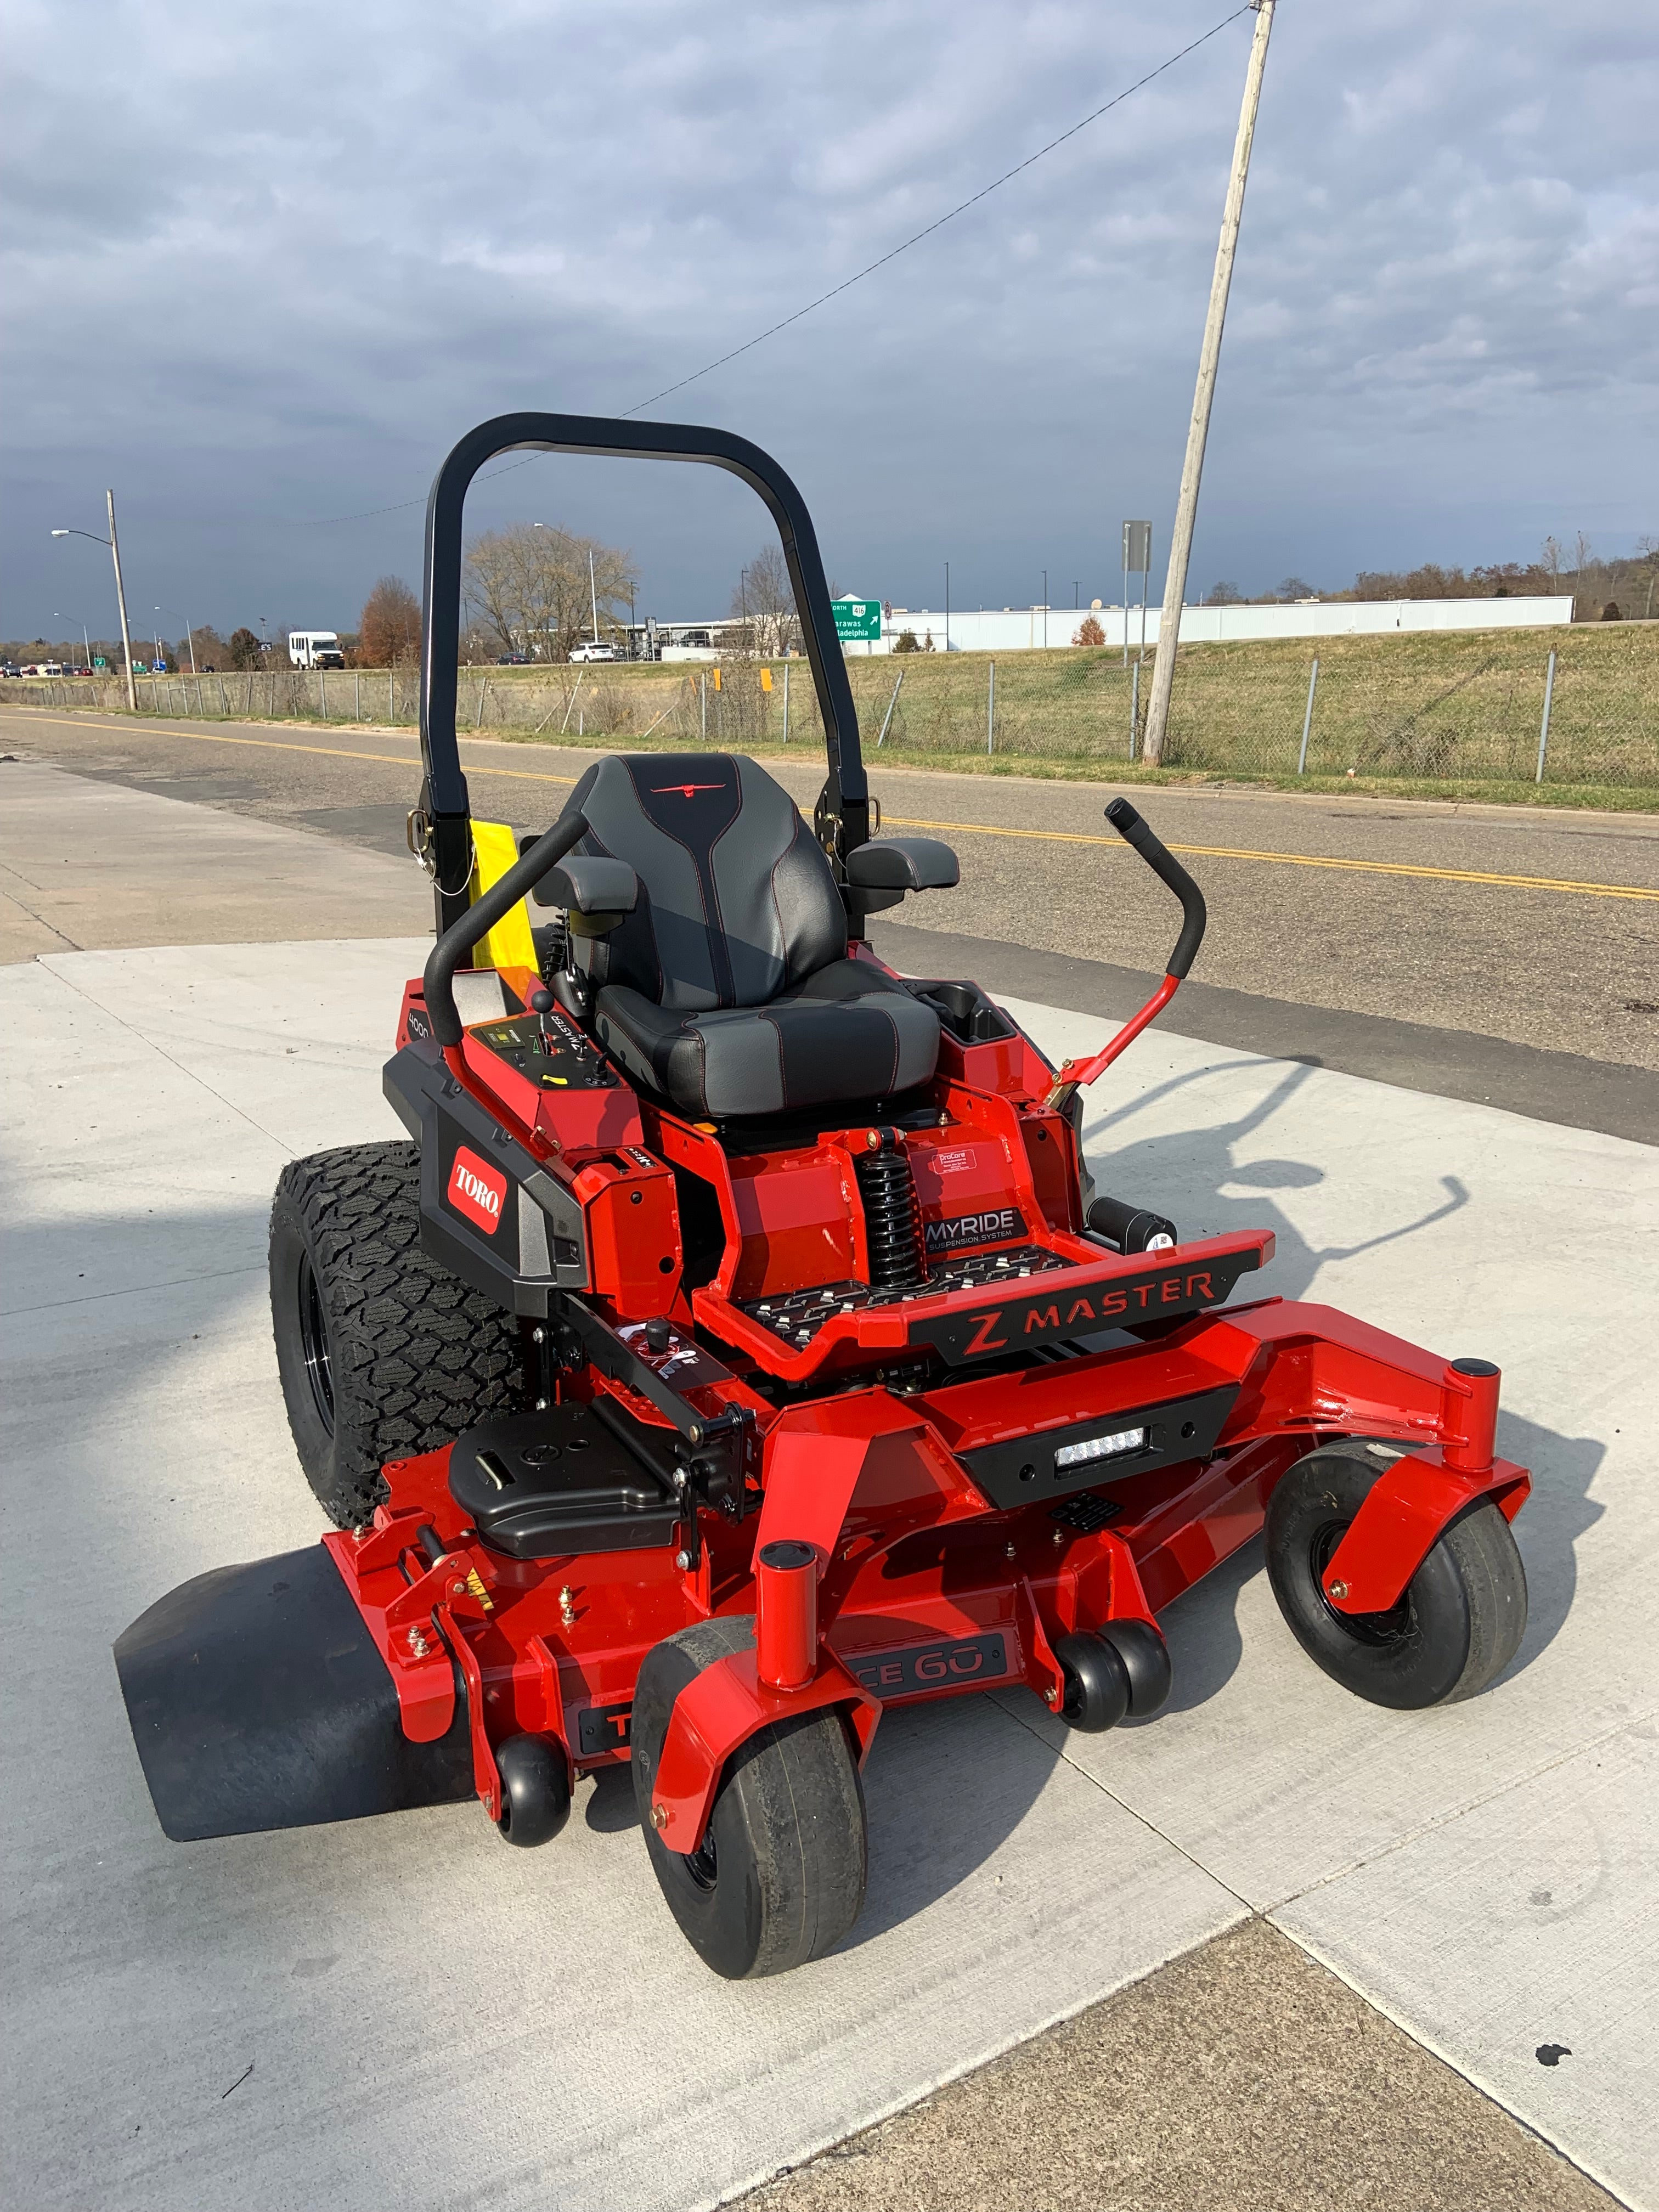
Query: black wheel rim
<point x="314" y="1343"/>
<point x="1378" y="1629"/>
<point x="701" y="1864"/>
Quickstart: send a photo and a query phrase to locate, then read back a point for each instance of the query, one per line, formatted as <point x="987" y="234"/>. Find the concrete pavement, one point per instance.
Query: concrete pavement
<point x="1477" y="1876"/>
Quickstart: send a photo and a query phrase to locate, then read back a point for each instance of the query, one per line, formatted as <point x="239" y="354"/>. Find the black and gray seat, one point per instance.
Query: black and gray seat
<point x="727" y="988"/>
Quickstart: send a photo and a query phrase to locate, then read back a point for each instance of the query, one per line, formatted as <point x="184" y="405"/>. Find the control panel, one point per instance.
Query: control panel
<point x="548" y="1049"/>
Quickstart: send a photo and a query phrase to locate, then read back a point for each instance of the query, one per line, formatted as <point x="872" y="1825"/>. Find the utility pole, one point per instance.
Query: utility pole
<point x="592" y="597"/>
<point x="1180" y="544"/>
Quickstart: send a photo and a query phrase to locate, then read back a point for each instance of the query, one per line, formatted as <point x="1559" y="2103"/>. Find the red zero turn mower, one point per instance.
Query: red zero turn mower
<point x="737" y="1348"/>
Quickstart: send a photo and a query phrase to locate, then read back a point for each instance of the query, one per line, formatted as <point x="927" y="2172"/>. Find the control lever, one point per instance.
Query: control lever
<point x="542" y="1004"/>
<point x="1135" y="833"/>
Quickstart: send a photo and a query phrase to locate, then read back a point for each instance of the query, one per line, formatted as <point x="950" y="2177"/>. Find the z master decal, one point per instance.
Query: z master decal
<point x="477" y="1190"/>
<point x="1159" y="1294"/>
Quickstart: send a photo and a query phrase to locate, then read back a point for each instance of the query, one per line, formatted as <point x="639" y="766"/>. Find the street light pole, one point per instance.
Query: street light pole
<point x="1045" y="606"/>
<point x="1180" y="544"/>
<point x="190" y="635"/>
<point x="85" y="638"/>
<point x="120" y="593"/>
<point x="121" y="601"/>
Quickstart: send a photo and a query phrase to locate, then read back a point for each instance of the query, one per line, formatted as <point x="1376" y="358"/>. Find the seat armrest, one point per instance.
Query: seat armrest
<point x="590" y="886"/>
<point x="904" y="864"/>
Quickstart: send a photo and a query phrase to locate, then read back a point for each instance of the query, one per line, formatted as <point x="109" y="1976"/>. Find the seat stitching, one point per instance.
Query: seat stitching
<point x="689" y="850"/>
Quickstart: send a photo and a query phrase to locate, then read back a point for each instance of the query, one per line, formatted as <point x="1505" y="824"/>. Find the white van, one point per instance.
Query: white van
<point x="315" y="649"/>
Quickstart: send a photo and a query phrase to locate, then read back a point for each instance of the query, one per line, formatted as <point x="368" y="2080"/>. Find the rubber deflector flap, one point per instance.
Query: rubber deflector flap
<point x="258" y="1700"/>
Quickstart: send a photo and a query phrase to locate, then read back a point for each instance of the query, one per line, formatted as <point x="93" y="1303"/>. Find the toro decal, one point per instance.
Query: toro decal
<point x="477" y="1190"/>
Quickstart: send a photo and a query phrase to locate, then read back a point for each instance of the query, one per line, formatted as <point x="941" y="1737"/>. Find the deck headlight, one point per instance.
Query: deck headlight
<point x="1112" y="1447"/>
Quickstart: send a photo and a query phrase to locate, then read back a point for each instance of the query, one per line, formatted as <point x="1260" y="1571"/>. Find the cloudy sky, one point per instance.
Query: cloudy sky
<point x="262" y="265"/>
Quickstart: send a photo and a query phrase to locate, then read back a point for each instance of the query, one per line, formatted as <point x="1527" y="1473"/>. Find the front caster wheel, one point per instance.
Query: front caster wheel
<point x="535" y="1790"/>
<point x="1458" y="1623"/>
<point x="1096" y="1686"/>
<point x="779" y="1876"/>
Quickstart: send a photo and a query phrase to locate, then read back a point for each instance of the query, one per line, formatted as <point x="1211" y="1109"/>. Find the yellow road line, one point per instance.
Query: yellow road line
<point x="1292" y="860"/>
<point x="287" y="745"/>
<point x="974" y="828"/>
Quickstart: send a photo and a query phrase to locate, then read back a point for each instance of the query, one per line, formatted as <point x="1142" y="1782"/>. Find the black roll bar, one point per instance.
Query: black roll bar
<point x="444" y="794"/>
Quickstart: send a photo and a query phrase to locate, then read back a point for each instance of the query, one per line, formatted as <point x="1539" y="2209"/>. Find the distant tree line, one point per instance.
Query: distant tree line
<point x="1602" y="589"/>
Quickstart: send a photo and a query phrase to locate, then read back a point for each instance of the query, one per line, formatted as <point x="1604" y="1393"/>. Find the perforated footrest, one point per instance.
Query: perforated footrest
<point x="796" y="1316"/>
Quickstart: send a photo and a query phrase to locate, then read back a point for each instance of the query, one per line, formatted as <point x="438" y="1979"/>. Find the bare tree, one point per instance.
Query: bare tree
<point x="1223" y="595"/>
<point x="764" y="602"/>
<point x="528" y="588"/>
<point x="389" y="627"/>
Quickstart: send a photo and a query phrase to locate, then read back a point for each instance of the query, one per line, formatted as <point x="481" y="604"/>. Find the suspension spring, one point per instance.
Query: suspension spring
<point x="892" y="1215"/>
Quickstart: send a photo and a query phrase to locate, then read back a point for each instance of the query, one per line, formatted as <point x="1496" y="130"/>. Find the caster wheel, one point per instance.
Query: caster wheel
<point x="779" y="1877"/>
<point x="1146" y="1658"/>
<point x="1458" y="1623"/>
<point x="535" y="1790"/>
<point x="1097" y="1684"/>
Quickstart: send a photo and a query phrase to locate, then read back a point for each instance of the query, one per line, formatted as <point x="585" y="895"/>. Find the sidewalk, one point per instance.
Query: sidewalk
<point x="435" y="2021"/>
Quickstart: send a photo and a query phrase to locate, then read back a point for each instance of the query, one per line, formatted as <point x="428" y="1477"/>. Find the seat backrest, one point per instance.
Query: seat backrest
<point x="736" y="900"/>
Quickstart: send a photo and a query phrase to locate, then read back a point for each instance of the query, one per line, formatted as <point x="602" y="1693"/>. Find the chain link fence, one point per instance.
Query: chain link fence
<point x="1577" y="706"/>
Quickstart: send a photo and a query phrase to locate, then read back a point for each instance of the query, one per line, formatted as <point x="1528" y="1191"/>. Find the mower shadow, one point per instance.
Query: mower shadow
<point x="1192" y="1177"/>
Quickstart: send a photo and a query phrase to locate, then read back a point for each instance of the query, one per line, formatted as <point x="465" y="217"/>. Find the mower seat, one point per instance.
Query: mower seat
<point x="727" y="990"/>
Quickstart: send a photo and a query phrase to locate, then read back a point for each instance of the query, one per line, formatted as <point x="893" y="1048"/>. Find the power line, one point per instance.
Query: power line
<point x="870" y="269"/>
<point x="939" y="222"/>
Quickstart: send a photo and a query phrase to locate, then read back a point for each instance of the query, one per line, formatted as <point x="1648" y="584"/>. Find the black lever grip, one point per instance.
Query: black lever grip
<point x="1134" y="831"/>
<point x="497" y="903"/>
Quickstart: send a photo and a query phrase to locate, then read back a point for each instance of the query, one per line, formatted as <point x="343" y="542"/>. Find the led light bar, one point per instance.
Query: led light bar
<point x="1125" y="1440"/>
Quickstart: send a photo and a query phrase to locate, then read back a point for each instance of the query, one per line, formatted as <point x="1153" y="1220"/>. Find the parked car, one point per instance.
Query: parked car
<point x="512" y="660"/>
<point x="591" y="651"/>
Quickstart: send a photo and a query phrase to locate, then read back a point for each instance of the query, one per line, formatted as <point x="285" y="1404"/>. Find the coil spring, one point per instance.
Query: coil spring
<point x="892" y="1217"/>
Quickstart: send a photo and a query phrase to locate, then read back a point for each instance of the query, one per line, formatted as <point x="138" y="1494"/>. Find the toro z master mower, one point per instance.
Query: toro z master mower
<point x="737" y="1348"/>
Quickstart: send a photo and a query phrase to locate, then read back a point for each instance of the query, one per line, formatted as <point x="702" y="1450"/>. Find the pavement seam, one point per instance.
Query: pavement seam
<point x="1458" y="1812"/>
<point x="1135" y="1813"/>
<point x="270" y="1136"/>
<point x="68" y="942"/>
<point x="132" y="1291"/>
<point x="1447" y="2058"/>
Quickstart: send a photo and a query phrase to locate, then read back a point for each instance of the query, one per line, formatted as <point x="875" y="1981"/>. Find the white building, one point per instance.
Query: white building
<point x="1018" y="629"/>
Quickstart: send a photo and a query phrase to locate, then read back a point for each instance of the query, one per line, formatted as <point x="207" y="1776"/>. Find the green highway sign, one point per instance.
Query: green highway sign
<point x="99" y="661"/>
<point x="857" y="621"/>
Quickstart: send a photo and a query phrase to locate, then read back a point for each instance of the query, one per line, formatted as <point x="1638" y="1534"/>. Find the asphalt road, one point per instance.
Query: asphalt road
<point x="1537" y="928"/>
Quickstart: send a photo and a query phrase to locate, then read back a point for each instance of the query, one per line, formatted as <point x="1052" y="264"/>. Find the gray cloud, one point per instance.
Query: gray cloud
<point x="263" y="266"/>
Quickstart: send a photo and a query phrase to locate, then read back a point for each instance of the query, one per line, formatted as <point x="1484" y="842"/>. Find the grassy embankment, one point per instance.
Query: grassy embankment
<point x="1442" y="716"/>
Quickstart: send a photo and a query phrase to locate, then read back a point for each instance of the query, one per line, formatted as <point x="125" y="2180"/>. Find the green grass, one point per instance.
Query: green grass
<point x="1435" y="716"/>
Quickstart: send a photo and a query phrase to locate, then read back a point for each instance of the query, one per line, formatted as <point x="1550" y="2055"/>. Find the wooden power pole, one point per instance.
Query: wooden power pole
<point x="1181" y="542"/>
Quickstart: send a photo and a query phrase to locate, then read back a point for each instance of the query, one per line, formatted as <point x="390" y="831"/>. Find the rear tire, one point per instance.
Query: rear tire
<point x="382" y="1353"/>
<point x="779" y="1878"/>
<point x="1459" y="1621"/>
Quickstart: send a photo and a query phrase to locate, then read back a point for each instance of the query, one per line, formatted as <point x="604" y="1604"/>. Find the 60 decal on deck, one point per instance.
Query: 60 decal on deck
<point x="920" y="1669"/>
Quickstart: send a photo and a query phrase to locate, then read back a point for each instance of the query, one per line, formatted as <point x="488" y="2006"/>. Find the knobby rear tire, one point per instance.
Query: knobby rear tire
<point x="382" y="1353"/>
